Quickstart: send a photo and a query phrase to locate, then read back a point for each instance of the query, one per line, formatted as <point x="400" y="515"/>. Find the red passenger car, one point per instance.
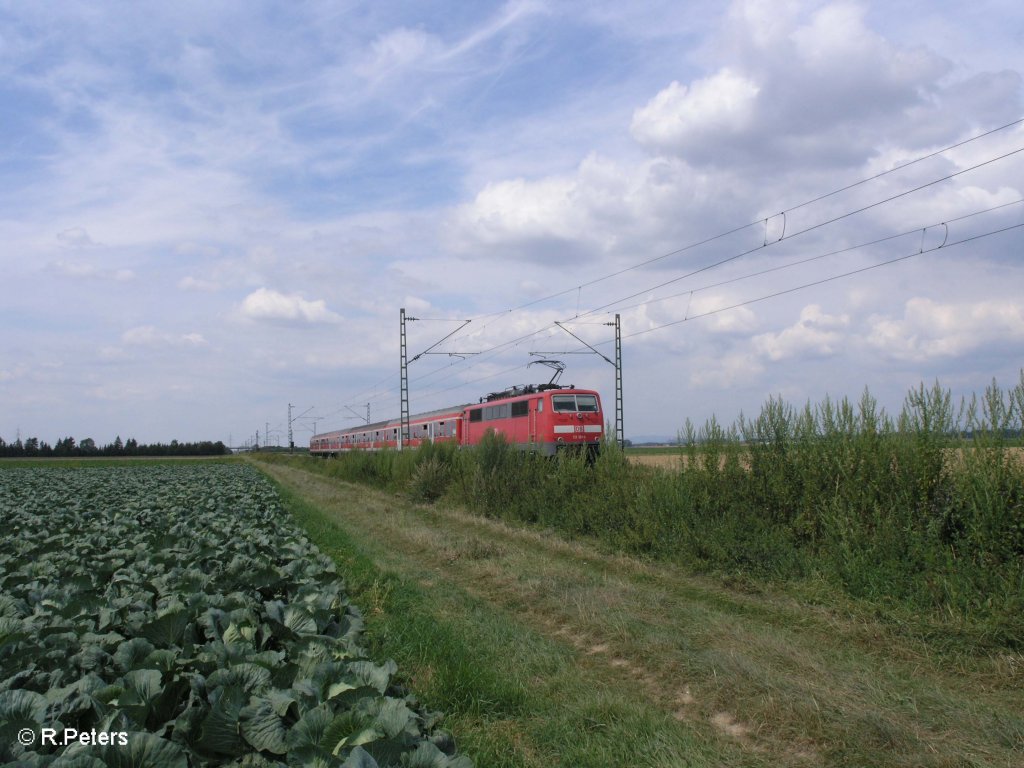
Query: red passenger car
<point x="545" y="418"/>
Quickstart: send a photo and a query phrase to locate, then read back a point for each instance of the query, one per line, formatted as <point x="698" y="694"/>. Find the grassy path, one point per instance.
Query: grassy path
<point x="543" y="652"/>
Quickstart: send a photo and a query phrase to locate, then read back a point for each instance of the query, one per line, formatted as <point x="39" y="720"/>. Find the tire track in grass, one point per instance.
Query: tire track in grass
<point x="786" y="682"/>
<point x="536" y="705"/>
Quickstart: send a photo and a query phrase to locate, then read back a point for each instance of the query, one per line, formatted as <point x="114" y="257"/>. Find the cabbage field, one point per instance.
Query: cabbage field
<point x="173" y="615"/>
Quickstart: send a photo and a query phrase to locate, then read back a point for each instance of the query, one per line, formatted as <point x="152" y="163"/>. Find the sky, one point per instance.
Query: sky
<point x="210" y="212"/>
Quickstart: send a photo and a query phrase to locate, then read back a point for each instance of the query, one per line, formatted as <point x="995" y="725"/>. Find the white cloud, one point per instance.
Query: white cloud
<point x="519" y="210"/>
<point x="461" y="163"/>
<point x="150" y="336"/>
<point x="604" y="208"/>
<point x="76" y="237"/>
<point x="722" y="103"/>
<point x="196" y="249"/>
<point x="930" y="329"/>
<point x="267" y="304"/>
<point x="397" y="50"/>
<point x="740" y="320"/>
<point x="725" y="372"/>
<point x="79" y="270"/>
<point x="814" y="334"/>
<point x="110" y="354"/>
<point x="190" y="283"/>
<point x="17" y="372"/>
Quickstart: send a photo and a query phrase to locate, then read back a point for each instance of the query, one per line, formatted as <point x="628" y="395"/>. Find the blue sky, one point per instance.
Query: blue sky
<point x="210" y="211"/>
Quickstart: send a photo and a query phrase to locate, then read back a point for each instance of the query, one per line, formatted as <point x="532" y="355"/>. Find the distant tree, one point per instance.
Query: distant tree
<point x="66" y="447"/>
<point x="19" y="448"/>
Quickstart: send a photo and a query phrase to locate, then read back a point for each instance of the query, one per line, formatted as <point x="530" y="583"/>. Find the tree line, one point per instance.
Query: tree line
<point x="33" y="447"/>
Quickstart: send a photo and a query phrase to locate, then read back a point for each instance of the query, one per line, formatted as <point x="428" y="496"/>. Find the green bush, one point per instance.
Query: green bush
<point x="924" y="509"/>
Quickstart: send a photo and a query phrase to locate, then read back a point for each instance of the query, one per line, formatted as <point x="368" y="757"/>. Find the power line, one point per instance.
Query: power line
<point x="805" y="231"/>
<point x="766" y="243"/>
<point x="801" y="262"/>
<point x="789" y="210"/>
<point x="824" y="280"/>
<point x="495" y="350"/>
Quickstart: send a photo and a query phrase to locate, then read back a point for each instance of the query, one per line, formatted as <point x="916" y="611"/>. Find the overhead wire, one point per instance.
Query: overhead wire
<point x="521" y="339"/>
<point x="489" y="353"/>
<point x="801" y="262"/>
<point x="804" y="231"/>
<point x="822" y="281"/>
<point x="766" y="243"/>
<point x="759" y="221"/>
<point x="484" y="354"/>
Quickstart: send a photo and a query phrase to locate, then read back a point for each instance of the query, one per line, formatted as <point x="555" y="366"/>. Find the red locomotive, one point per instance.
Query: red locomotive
<point x="544" y="418"/>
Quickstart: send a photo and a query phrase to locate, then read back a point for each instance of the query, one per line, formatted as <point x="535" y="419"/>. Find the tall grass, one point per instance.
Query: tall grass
<point x="923" y="510"/>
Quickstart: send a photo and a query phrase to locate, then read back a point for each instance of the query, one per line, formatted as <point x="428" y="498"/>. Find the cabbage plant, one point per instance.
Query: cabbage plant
<point x="174" y="615"/>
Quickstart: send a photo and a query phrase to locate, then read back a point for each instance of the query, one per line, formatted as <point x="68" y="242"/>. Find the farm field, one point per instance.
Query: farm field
<point x="171" y="614"/>
<point x="548" y="652"/>
<point x="674" y="458"/>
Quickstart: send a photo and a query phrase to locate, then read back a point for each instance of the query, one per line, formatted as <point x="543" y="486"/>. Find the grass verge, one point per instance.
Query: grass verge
<point x="512" y="695"/>
<point x="546" y="652"/>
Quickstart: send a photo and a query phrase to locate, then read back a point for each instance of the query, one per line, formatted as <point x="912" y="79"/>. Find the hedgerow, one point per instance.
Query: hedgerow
<point x="923" y="511"/>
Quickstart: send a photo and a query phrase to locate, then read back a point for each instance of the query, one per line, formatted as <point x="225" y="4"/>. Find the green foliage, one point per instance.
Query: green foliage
<point x="182" y="606"/>
<point x="924" y="510"/>
<point x="434" y="465"/>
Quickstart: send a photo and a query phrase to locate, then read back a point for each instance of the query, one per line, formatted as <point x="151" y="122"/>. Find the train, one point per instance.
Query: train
<point x="545" y="418"/>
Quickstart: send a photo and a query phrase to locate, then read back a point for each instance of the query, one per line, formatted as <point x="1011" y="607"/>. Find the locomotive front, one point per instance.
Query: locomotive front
<point x="575" y="420"/>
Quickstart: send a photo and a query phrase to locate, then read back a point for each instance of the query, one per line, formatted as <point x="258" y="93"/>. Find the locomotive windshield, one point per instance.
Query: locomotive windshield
<point x="574" y="403"/>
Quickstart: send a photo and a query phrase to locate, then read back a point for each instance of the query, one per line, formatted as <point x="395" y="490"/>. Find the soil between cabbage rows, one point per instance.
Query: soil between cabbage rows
<point x="588" y="658"/>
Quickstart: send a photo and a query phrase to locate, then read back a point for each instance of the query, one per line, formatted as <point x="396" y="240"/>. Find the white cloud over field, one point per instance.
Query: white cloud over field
<point x="222" y="208"/>
<point x="266" y="304"/>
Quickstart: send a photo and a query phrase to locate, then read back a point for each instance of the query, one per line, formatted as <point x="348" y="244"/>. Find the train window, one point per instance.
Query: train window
<point x="477" y="414"/>
<point x="540" y="405"/>
<point x="520" y="407"/>
<point x="563" y="403"/>
<point x="496" y="412"/>
<point x="574" y="403"/>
